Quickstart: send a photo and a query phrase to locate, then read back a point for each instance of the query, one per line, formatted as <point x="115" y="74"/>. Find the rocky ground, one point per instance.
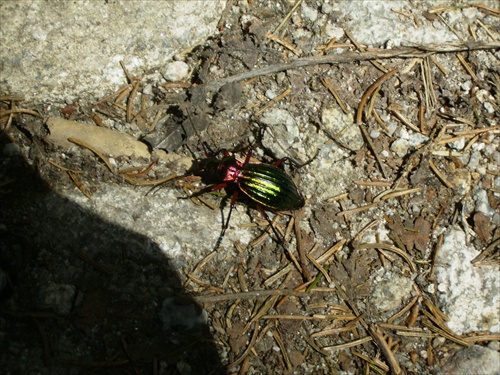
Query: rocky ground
<point x="387" y="117"/>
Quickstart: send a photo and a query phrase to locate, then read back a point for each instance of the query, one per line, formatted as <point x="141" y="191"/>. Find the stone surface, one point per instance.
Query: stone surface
<point x="468" y="294"/>
<point x="473" y="360"/>
<point x="74" y="48"/>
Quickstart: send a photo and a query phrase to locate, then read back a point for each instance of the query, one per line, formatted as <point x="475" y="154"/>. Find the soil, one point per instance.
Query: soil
<point x="81" y="294"/>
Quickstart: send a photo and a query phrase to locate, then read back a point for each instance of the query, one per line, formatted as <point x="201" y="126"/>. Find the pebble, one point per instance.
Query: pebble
<point x="309" y="14"/>
<point x="474" y="360"/>
<point x="341" y="126"/>
<point x="182" y="315"/>
<point x="400" y="147"/>
<point x="11" y="149"/>
<point x="59" y="297"/>
<point x="467" y="294"/>
<point x="175" y="71"/>
<point x="388" y="291"/>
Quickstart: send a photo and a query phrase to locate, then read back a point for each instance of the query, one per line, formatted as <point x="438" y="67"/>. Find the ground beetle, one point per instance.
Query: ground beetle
<point x="266" y="185"/>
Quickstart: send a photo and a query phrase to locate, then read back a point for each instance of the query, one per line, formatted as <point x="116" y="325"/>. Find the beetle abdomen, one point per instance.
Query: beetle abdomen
<point x="270" y="186"/>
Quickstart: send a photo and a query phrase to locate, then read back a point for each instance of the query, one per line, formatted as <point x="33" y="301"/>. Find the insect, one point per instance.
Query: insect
<point x="265" y="185"/>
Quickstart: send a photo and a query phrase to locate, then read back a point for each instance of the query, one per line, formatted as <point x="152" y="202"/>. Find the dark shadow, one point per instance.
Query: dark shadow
<point x="83" y="296"/>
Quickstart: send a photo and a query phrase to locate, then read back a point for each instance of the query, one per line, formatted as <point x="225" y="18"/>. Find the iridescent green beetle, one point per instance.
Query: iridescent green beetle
<point x="268" y="186"/>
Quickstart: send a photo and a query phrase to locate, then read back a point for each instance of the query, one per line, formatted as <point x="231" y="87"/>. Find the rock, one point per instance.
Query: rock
<point x="468" y="294"/>
<point x="341" y="128"/>
<point x="175" y="71"/>
<point x="58" y="297"/>
<point x="75" y="50"/>
<point x="473" y="360"/>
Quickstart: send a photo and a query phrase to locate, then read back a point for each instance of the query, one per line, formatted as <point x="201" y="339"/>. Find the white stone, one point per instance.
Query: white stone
<point x="309" y="14"/>
<point x="340" y="126"/>
<point x="467" y="294"/>
<point x="175" y="71"/>
<point x="400" y="147"/>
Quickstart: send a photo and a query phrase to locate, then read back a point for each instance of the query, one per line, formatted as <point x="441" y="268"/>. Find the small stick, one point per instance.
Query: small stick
<point x="375" y="63"/>
<point x="285" y="20"/>
<point x="490" y="33"/>
<point x="256" y="294"/>
<point x="467" y="67"/>
<point x="63" y="168"/>
<point x="248" y="349"/>
<point x="371" y="89"/>
<point x="372" y="148"/>
<point x="439" y="244"/>
<point x="348" y="344"/>
<point x="394" y="110"/>
<point x="358" y="209"/>
<point x="386" y="350"/>
<point x="392" y="248"/>
<point x="95" y="151"/>
<point x="123" y="94"/>
<point x="329" y="85"/>
<point x="79" y="185"/>
<point x="119" y="91"/>
<point x="300" y="247"/>
<point x="373" y="183"/>
<point x="374" y="361"/>
<point x="372" y="102"/>
<point x="320" y="269"/>
<point x="20" y="110"/>
<point x="130" y="100"/>
<point x="92" y="262"/>
<point x="284" y="43"/>
<point x="274" y="101"/>
<point x="127" y="74"/>
<point x="438" y="173"/>
<point x="396" y="193"/>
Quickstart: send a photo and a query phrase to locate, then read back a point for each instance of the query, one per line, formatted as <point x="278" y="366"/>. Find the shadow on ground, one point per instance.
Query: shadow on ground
<point x="80" y="295"/>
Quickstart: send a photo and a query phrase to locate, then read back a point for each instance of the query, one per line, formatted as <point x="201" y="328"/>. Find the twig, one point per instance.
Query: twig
<point x="467" y="67"/>
<point x="255" y="294"/>
<point x="361" y="48"/>
<point x="438" y="173"/>
<point x="20" y="110"/>
<point x="283" y="42"/>
<point x="287" y="17"/>
<point x="79" y="184"/>
<point x="358" y="209"/>
<point x="300" y="245"/>
<point x="381" y="245"/>
<point x="283" y="350"/>
<point x="95" y="151"/>
<point x="99" y="267"/>
<point x="347" y="57"/>
<point x="249" y="347"/>
<point x="386" y="350"/>
<point x="329" y="85"/>
<point x="274" y="101"/>
<point x="348" y="344"/>
<point x="371" y="89"/>
<point x="366" y="136"/>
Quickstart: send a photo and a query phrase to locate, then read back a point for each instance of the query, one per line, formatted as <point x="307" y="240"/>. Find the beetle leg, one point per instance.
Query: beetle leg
<point x="226" y="224"/>
<point x="280" y="239"/>
<point x="219" y="187"/>
<point x="247" y="158"/>
<point x="279" y="162"/>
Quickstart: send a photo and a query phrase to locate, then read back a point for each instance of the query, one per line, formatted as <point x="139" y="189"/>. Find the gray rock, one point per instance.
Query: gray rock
<point x="473" y="360"/>
<point x="74" y="48"/>
<point x="58" y="297"/>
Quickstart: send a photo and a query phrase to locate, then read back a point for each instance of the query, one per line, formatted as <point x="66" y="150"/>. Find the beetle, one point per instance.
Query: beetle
<point x="266" y="185"/>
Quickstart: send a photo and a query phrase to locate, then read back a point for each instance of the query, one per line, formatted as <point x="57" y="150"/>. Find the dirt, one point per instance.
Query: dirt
<point x="83" y="295"/>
